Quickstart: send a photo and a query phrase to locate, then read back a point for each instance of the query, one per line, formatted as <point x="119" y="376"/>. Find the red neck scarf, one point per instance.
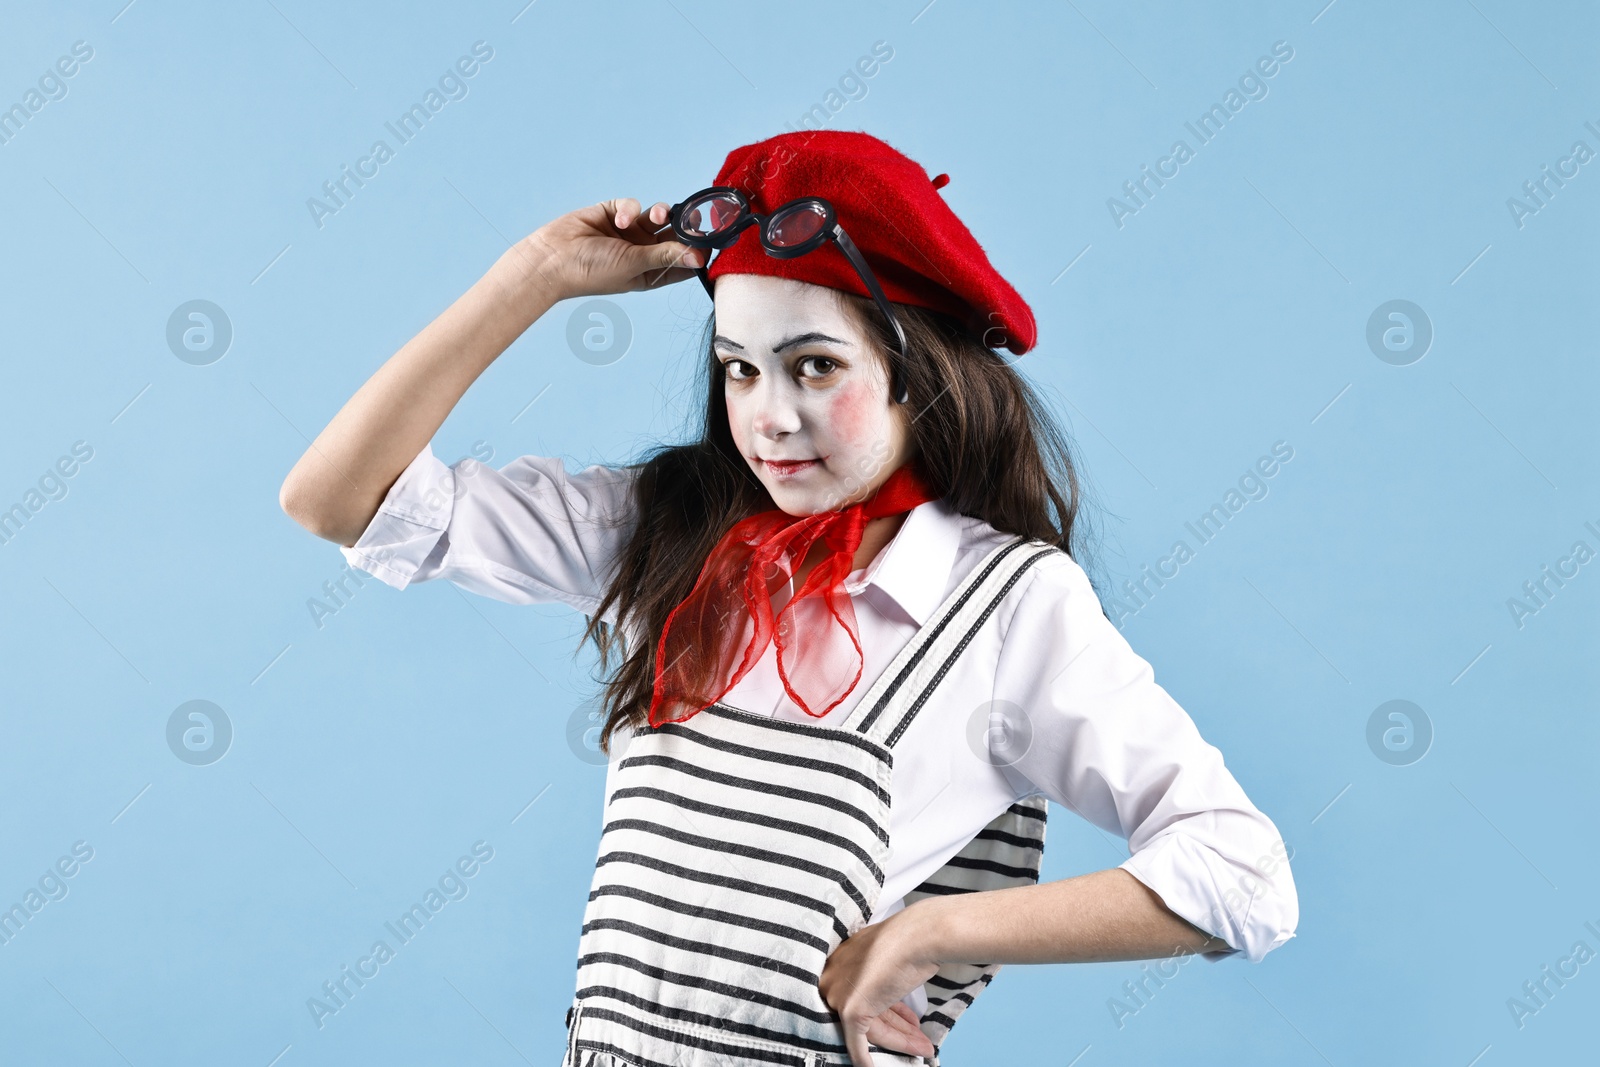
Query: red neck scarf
<point x="815" y="631"/>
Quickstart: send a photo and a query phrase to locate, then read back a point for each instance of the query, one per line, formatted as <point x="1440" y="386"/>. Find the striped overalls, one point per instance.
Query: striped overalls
<point x="739" y="850"/>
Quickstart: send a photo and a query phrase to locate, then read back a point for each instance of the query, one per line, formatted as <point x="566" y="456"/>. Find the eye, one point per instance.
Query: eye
<point x="727" y="370"/>
<point x="824" y="371"/>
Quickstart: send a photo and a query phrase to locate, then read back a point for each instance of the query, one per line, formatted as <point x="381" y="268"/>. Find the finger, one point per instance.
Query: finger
<point x="656" y="223"/>
<point x="627" y="209"/>
<point x="921" y="1044"/>
<point x="619" y="211"/>
<point x="886" y="1035"/>
<point x="642" y="227"/>
<point x="612" y="209"/>
<point x="896" y="1028"/>
<point x="855" y="1043"/>
<point x="900" y="1008"/>
<point x="668" y="255"/>
<point x="663" y="264"/>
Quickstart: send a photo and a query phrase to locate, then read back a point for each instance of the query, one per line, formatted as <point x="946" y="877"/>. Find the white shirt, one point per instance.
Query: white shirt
<point x="1107" y="742"/>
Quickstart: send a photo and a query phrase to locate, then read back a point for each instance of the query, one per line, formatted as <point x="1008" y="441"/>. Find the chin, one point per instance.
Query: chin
<point x="800" y="502"/>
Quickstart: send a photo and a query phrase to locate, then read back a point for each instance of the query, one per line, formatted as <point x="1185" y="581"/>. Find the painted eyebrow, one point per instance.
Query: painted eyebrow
<point x="813" y="337"/>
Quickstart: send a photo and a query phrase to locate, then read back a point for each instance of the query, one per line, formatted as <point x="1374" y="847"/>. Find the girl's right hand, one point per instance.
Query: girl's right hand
<point x="612" y="247"/>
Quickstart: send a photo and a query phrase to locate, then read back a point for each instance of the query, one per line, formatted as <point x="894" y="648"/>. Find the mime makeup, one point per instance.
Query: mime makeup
<point x="804" y="382"/>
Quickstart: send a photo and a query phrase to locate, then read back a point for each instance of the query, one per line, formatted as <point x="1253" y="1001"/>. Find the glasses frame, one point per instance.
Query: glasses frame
<point x="830" y="230"/>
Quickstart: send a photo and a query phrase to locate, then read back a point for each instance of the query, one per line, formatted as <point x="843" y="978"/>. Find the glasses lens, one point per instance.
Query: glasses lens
<point x="796" y="226"/>
<point x="712" y="215"/>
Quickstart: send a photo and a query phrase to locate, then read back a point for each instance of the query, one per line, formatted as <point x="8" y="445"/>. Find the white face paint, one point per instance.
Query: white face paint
<point x="803" y="382"/>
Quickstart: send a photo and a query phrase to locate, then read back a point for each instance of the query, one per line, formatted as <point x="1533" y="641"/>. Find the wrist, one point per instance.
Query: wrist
<point x="928" y="928"/>
<point x="526" y="276"/>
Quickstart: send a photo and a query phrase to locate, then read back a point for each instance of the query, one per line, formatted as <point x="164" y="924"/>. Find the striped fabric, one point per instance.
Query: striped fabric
<point x="1005" y="853"/>
<point x="739" y="850"/>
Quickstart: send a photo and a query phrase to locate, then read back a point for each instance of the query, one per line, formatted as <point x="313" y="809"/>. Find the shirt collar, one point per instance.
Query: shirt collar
<point x="914" y="567"/>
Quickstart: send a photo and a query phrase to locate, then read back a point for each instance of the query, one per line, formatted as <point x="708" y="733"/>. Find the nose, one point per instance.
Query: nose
<point x="774" y="412"/>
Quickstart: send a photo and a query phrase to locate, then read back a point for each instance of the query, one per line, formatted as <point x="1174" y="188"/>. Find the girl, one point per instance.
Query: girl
<point x="856" y="657"/>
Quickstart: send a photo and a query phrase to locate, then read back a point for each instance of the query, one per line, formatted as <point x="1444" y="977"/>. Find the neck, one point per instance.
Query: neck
<point x="876" y="534"/>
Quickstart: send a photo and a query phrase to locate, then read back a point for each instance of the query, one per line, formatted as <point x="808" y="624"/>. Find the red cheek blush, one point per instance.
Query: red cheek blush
<point x="850" y="413"/>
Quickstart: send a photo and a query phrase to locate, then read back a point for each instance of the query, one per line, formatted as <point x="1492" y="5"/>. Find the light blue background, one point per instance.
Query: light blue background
<point x="1227" y="314"/>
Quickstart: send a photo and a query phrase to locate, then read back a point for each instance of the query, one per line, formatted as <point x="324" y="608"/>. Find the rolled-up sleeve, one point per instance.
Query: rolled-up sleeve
<point x="526" y="533"/>
<point x="1108" y="743"/>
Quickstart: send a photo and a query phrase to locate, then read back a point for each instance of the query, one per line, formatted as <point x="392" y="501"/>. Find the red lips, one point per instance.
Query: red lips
<point x="790" y="466"/>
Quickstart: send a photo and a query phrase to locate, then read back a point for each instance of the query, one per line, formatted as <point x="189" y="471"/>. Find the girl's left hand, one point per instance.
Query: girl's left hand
<point x="864" y="980"/>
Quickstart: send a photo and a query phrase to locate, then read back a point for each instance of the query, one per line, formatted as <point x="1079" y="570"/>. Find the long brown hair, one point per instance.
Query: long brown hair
<point x="981" y="436"/>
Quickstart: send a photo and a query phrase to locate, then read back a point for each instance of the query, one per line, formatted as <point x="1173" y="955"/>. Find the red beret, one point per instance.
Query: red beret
<point x="920" y="251"/>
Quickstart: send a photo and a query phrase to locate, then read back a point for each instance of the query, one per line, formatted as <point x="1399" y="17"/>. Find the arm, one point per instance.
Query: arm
<point x="1093" y="918"/>
<point x="338" y="484"/>
<point x="1111" y="745"/>
<point x="1208" y="871"/>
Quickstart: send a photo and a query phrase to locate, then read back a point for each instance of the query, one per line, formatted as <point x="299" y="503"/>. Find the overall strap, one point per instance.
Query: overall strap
<point x="886" y="709"/>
